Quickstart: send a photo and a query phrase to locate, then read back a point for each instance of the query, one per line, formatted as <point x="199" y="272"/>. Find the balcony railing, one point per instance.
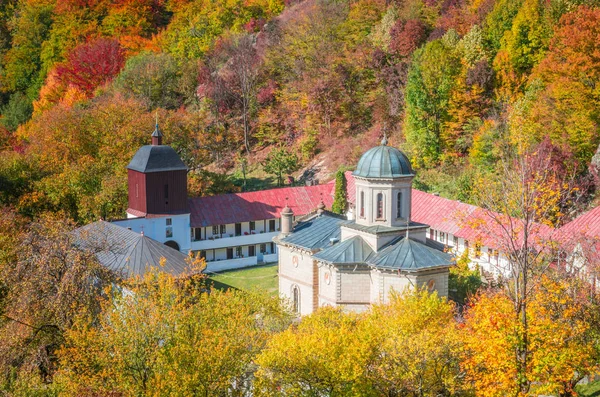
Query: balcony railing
<point x="250" y="239"/>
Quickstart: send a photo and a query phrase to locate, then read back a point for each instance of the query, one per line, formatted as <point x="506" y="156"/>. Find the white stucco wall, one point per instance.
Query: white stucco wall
<point x="327" y="290"/>
<point x="355" y="286"/>
<point x="298" y="272"/>
<point x="156" y="229"/>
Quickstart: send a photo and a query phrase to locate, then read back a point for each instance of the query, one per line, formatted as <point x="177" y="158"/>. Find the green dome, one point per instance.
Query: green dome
<point x="383" y="162"/>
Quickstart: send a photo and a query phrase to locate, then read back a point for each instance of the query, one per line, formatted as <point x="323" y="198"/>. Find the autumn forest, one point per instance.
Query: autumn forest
<point x="466" y="88"/>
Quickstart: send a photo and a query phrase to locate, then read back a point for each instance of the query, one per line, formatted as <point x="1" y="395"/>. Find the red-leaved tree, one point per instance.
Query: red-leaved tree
<point x="92" y="64"/>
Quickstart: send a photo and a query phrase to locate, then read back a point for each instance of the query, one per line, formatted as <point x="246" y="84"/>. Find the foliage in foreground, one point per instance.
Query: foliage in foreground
<point x="407" y="347"/>
<point x="162" y="336"/>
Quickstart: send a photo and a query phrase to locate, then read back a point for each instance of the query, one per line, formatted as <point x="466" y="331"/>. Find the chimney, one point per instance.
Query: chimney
<point x="287" y="216"/>
<point x="350" y="213"/>
<point x="321" y="207"/>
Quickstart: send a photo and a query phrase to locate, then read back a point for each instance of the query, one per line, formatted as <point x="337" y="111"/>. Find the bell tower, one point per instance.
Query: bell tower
<point x="157" y="180"/>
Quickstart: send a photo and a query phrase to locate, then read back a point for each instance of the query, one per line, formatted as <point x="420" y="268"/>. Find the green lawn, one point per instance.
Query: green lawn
<point x="589" y="390"/>
<point x="257" y="277"/>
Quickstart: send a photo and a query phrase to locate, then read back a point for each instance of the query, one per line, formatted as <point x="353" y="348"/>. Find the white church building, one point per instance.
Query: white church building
<point x="327" y="260"/>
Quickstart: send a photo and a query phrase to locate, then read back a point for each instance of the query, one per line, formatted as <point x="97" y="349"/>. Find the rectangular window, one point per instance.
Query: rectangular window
<point x="169" y="222"/>
<point x="442" y="237"/>
<point x="263" y="248"/>
<point x="166" y="192"/>
<point x="495" y="255"/>
<point x="223" y="229"/>
<point x="169" y="232"/>
<point x="272" y="225"/>
<point x="238" y="252"/>
<point x="229" y="253"/>
<point x="431" y="234"/>
<point x="252" y="226"/>
<point x="399" y="205"/>
<point x="197" y="233"/>
<point x="379" y="205"/>
<point x="203" y="254"/>
<point x="362" y="204"/>
<point x="456" y="241"/>
<point x="215" y="230"/>
<point x="137" y="190"/>
<point x="272" y="247"/>
<point x="238" y="229"/>
<point x="251" y="250"/>
<point x="435" y="233"/>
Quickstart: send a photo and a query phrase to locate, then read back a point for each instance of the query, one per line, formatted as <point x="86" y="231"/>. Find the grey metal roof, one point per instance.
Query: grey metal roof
<point x="156" y="158"/>
<point x="383" y="162"/>
<point x="352" y="250"/>
<point x="376" y="229"/>
<point x="409" y="255"/>
<point x="315" y="233"/>
<point x="128" y="253"/>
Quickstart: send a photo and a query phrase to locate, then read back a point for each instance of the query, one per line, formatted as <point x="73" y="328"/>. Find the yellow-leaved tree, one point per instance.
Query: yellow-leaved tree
<point x="325" y="354"/>
<point x="416" y="346"/>
<point x="167" y="336"/>
<point x="409" y="347"/>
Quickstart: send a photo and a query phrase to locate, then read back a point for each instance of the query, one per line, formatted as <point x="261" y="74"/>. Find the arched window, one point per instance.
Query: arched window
<point x="379" y="205"/>
<point x="399" y="205"/>
<point x="362" y="204"/>
<point x="296" y="298"/>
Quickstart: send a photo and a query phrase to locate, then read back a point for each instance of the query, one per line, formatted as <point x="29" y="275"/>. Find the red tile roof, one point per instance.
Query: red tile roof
<point x="448" y="216"/>
<point x="462" y="220"/>
<point x="585" y="232"/>
<point x="254" y="206"/>
<point x="587" y="224"/>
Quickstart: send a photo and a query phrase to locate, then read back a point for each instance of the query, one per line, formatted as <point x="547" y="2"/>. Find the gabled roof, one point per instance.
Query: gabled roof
<point x="254" y="206"/>
<point x="156" y="158"/>
<point x="408" y="255"/>
<point x="316" y="233"/>
<point x="587" y="224"/>
<point x="352" y="250"/>
<point x="440" y="213"/>
<point x="128" y="253"/>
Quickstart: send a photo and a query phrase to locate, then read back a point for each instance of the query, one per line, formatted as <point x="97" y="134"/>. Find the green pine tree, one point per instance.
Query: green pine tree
<point x="340" y="200"/>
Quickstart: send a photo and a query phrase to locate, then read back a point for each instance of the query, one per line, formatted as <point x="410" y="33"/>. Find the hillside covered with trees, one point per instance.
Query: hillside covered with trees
<point x="457" y="84"/>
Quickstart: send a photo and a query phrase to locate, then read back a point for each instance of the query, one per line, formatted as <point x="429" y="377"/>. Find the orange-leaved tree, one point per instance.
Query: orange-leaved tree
<point x="560" y="343"/>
